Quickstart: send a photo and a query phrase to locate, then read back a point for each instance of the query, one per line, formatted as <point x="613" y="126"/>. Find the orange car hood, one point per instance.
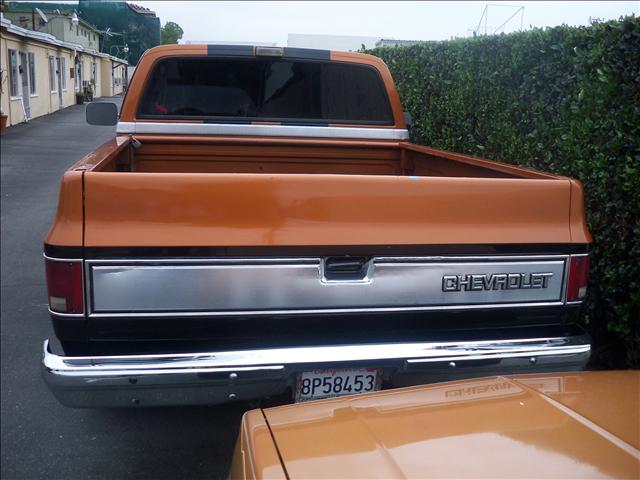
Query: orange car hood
<point x="580" y="425"/>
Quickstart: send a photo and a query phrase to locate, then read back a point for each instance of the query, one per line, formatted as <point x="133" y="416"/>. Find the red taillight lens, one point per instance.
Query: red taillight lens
<point x="578" y="278"/>
<point x="64" y="283"/>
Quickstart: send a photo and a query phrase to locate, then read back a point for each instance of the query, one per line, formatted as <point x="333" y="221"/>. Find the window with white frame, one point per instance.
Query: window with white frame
<point x="52" y="74"/>
<point x="32" y="72"/>
<point x="13" y="73"/>
<point x="63" y="72"/>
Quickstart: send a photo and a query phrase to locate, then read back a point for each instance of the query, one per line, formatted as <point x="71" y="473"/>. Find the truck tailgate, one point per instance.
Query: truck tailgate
<point x="188" y="209"/>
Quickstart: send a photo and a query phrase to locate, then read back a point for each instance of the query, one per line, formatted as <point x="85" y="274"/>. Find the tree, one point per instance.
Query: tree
<point x="170" y="33"/>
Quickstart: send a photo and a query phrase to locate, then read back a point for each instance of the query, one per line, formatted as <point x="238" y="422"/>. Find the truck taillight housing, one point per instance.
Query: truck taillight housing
<point x="578" y="278"/>
<point x="64" y="284"/>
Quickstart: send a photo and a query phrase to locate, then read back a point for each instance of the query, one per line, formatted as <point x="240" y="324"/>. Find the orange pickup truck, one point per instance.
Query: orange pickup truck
<point x="261" y="226"/>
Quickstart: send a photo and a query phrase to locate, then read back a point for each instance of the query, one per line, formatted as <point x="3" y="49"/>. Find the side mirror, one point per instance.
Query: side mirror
<point x="102" y="113"/>
<point x="407" y="119"/>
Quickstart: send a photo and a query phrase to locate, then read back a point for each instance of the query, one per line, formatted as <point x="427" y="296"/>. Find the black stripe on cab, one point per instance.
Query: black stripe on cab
<point x="230" y="50"/>
<point x="307" y="53"/>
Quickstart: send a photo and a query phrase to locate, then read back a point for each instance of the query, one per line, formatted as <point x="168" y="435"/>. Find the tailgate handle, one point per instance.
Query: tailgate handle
<point x="346" y="269"/>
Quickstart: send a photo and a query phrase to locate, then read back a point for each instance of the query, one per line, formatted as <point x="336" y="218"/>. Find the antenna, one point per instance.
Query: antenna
<point x="109" y="33"/>
<point x="485" y="17"/>
<point x="484" y="12"/>
<point x="520" y="11"/>
<point x="42" y="15"/>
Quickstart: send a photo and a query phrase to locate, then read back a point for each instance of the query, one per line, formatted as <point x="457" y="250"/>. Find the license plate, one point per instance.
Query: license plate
<point x="318" y="384"/>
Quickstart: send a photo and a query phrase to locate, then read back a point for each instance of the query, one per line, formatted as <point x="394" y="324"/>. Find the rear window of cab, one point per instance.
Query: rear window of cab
<point x="265" y="89"/>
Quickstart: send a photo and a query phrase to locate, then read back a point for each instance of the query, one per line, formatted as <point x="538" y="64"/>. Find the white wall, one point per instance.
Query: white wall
<point x="44" y="100"/>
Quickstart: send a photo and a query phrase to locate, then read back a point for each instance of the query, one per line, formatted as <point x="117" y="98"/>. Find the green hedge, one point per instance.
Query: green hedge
<point x="563" y="100"/>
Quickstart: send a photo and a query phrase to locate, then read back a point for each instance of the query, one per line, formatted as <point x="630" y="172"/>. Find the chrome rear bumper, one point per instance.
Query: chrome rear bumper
<point x="217" y="377"/>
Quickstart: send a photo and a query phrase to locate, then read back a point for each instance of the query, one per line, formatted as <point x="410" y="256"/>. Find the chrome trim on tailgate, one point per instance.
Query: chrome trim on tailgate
<point x="177" y="128"/>
<point x="259" y="287"/>
<point x="216" y="377"/>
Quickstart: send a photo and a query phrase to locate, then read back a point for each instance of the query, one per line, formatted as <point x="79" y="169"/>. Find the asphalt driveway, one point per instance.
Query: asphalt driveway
<point x="40" y="437"/>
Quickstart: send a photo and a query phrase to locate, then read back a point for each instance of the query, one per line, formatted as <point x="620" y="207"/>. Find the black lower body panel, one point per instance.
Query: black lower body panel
<point x="132" y="335"/>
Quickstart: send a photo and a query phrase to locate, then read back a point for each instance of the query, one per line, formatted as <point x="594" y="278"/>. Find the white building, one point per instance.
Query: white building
<point x="344" y="43"/>
<point x="392" y="42"/>
<point x="40" y="74"/>
<point x="220" y="42"/>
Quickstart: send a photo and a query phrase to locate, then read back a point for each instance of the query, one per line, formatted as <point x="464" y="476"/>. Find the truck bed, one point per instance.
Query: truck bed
<point x="197" y="155"/>
<point x="190" y="192"/>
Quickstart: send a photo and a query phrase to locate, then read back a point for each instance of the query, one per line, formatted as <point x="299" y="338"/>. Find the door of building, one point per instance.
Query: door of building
<point x="59" y="77"/>
<point x="79" y="86"/>
<point x="24" y="80"/>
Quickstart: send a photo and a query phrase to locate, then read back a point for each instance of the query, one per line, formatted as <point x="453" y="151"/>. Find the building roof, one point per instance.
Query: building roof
<point x="51" y="40"/>
<point x="64" y="10"/>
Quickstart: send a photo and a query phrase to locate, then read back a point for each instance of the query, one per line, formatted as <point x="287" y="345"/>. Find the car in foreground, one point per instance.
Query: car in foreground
<point x="569" y="425"/>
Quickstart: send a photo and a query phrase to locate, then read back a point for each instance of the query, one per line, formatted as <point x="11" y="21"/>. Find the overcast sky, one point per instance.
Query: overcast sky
<point x="266" y="21"/>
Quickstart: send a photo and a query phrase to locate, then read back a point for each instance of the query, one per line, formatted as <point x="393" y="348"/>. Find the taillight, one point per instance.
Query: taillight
<point x="578" y="278"/>
<point x="64" y="284"/>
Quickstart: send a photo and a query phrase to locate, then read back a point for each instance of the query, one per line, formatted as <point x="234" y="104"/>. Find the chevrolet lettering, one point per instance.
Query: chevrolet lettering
<point x="495" y="281"/>
<point x="260" y="226"/>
